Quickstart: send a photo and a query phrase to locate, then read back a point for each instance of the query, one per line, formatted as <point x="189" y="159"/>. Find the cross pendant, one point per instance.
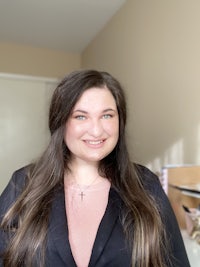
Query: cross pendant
<point x="82" y="195"/>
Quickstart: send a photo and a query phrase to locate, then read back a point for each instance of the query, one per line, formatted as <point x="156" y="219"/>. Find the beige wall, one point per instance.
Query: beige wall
<point x="153" y="48"/>
<point x="34" y="61"/>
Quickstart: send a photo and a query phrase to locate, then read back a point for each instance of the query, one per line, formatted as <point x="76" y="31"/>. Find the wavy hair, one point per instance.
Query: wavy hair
<point x="140" y="218"/>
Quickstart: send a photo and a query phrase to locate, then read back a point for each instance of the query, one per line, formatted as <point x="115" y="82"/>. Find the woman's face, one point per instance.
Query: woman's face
<point x="92" y="129"/>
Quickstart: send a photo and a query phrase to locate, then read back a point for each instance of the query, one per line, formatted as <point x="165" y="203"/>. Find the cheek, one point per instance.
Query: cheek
<point x="68" y="132"/>
<point x="72" y="131"/>
<point x="113" y="128"/>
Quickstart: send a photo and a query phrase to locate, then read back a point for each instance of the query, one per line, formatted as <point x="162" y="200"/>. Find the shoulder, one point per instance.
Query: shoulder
<point x="149" y="180"/>
<point x="144" y="172"/>
<point x="18" y="179"/>
<point x="153" y="187"/>
<point x="13" y="189"/>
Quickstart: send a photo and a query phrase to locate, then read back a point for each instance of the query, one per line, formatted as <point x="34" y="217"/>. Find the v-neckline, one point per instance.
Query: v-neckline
<point x="84" y="217"/>
<point x="58" y="228"/>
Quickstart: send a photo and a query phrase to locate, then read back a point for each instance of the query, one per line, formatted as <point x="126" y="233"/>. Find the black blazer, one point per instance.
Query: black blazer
<point x="110" y="248"/>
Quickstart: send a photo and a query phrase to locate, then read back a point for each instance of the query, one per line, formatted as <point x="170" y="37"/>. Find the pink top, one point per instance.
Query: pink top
<point x="84" y="214"/>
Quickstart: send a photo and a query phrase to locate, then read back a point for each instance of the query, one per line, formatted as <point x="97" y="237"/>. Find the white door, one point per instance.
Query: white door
<point x="24" y="134"/>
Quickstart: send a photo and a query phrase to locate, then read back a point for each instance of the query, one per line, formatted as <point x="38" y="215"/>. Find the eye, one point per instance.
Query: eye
<point x="107" y="116"/>
<point x="80" y="117"/>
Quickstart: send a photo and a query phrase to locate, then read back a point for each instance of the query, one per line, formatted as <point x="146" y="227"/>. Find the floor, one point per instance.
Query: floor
<point x="192" y="248"/>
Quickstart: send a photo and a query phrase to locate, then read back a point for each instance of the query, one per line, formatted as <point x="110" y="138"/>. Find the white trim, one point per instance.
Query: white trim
<point x="28" y="77"/>
<point x="191" y="194"/>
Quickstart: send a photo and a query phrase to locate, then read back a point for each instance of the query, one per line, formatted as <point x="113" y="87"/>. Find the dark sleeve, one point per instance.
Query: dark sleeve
<point x="178" y="255"/>
<point x="8" y="197"/>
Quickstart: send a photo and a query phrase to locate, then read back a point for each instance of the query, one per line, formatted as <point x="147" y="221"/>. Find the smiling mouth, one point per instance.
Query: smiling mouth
<point x="95" y="142"/>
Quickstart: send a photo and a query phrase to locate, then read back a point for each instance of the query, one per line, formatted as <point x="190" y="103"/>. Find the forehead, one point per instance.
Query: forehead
<point x="95" y="97"/>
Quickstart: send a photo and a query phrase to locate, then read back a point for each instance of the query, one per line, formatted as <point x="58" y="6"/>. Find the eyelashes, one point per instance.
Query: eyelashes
<point x="83" y="117"/>
<point x="80" y="117"/>
<point x="107" y="116"/>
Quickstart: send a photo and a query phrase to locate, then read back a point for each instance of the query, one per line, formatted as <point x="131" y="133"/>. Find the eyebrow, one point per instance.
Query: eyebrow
<point x="85" y="112"/>
<point x="79" y="110"/>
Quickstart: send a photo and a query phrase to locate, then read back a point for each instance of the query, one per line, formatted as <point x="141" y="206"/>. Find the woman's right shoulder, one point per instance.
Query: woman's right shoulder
<point x="13" y="188"/>
<point x="19" y="176"/>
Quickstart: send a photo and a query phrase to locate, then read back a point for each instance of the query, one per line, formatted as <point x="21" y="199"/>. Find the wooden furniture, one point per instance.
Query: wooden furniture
<point x="182" y="176"/>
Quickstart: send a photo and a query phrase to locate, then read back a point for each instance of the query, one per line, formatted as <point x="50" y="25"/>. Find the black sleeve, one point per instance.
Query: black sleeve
<point x="178" y="255"/>
<point x="7" y="198"/>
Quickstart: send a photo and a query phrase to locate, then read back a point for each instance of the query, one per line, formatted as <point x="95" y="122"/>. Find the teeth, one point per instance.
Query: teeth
<point x="95" y="142"/>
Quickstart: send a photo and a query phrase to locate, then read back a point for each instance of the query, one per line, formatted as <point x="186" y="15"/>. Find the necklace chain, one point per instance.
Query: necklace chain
<point x="82" y="190"/>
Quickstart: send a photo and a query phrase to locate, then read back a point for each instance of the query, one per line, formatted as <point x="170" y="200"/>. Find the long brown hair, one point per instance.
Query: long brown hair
<point x="141" y="219"/>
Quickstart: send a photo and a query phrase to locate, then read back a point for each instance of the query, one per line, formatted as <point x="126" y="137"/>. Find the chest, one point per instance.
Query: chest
<point x="109" y="245"/>
<point x="85" y="208"/>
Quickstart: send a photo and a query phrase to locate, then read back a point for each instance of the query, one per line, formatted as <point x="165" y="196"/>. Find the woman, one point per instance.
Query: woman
<point x="83" y="203"/>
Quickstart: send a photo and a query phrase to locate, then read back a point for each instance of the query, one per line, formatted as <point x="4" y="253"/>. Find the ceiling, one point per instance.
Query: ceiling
<point x="67" y="25"/>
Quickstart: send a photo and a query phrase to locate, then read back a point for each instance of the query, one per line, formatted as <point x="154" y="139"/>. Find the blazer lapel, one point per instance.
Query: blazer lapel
<point x="59" y="230"/>
<point x="106" y="226"/>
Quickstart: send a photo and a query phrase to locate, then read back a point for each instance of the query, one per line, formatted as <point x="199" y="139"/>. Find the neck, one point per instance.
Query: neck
<point x="82" y="174"/>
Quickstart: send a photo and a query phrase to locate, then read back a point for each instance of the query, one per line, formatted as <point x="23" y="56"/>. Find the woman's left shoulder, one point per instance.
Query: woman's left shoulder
<point x="152" y="185"/>
<point x="149" y="179"/>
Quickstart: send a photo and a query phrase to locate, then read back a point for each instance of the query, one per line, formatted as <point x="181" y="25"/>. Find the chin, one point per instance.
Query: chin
<point x="98" y="158"/>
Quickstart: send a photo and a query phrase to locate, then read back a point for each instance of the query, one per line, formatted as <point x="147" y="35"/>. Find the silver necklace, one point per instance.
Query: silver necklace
<point x="83" y="190"/>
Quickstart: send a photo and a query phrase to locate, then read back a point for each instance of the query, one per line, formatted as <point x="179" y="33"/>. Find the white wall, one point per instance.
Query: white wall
<point x="24" y="103"/>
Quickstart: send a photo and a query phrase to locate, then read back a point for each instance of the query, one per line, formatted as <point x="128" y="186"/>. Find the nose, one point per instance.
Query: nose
<point x="96" y="128"/>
